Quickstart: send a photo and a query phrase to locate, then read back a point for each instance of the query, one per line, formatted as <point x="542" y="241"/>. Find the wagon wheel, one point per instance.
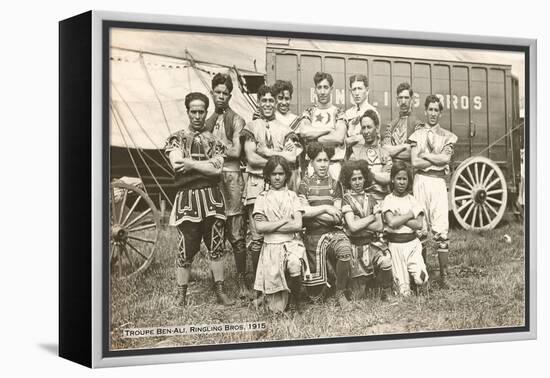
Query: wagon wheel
<point x="478" y="194"/>
<point x="135" y="228"/>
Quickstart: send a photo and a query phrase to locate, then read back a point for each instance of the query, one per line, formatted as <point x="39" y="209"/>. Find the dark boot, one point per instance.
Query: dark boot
<point x="259" y="300"/>
<point x="425" y="255"/>
<point x="181" y="296"/>
<point x="239" y="253"/>
<point x="443" y="258"/>
<point x="422" y="289"/>
<point x="342" y="277"/>
<point x="295" y="285"/>
<point x="370" y="285"/>
<point x="343" y="302"/>
<point x="255" y="248"/>
<point x="424" y="243"/>
<point x="244" y="293"/>
<point x="222" y="297"/>
<point x="385" y="279"/>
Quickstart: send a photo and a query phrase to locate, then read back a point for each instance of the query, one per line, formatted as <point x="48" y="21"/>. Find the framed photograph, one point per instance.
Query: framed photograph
<point x="233" y="189"/>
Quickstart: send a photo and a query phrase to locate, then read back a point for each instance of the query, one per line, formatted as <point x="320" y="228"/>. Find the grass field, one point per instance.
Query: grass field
<point x="487" y="275"/>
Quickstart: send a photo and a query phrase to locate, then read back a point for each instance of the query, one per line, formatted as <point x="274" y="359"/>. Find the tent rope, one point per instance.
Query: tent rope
<point x="197" y="71"/>
<point x="142" y="61"/>
<point x="171" y="174"/>
<point x="145" y="162"/>
<point x="137" y="121"/>
<point x="127" y="147"/>
<point x="499" y="139"/>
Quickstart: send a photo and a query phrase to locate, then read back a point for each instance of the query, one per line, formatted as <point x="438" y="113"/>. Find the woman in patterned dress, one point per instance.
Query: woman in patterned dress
<point x="362" y="221"/>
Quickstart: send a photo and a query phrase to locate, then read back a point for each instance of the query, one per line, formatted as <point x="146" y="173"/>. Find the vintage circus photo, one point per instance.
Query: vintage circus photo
<point x="273" y="189"/>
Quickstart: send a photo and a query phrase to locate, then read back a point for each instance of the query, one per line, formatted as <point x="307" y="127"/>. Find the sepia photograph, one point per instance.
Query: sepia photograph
<point x="271" y="189"/>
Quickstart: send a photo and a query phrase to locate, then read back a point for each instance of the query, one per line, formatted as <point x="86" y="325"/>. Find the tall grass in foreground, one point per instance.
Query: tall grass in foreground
<point x="486" y="274"/>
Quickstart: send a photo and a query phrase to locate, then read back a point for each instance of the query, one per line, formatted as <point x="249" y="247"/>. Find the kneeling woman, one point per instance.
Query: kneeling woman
<point x="403" y="215"/>
<point x="363" y="219"/>
<point x="278" y="216"/>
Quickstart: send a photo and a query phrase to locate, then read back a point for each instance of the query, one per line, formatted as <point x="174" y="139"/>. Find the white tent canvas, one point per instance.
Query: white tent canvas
<point x="152" y="72"/>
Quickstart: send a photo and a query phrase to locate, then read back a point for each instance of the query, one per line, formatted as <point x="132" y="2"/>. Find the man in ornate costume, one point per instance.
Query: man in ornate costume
<point x="199" y="210"/>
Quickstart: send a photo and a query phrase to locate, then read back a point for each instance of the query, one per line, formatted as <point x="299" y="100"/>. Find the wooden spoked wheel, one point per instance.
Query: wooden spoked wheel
<point x="135" y="228"/>
<point x="478" y="194"/>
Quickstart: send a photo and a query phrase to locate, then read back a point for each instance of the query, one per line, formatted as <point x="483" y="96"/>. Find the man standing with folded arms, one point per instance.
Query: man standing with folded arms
<point x="199" y="211"/>
<point x="432" y="148"/>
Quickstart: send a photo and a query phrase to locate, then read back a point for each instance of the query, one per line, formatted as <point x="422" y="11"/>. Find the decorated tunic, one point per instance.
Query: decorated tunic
<point x="353" y="116"/>
<point x="316" y="191"/>
<point x="398" y="130"/>
<point x="323" y="118"/>
<point x="273" y="135"/>
<point x="289" y="119"/>
<point x="363" y="252"/>
<point x="378" y="160"/>
<point x="433" y="140"/>
<point x="198" y="196"/>
<point x="224" y="126"/>
<point x="322" y="240"/>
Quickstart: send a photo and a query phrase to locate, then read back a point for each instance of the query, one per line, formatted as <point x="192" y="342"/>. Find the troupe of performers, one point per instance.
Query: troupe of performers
<point x="330" y="205"/>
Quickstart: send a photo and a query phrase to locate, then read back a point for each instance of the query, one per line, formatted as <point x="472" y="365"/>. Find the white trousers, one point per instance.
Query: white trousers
<point x="431" y="192"/>
<point x="407" y="260"/>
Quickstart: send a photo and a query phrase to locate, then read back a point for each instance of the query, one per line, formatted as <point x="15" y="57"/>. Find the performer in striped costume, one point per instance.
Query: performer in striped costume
<point x="328" y="248"/>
